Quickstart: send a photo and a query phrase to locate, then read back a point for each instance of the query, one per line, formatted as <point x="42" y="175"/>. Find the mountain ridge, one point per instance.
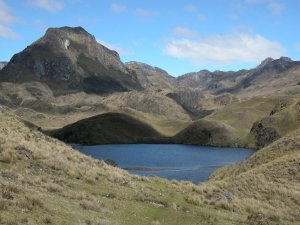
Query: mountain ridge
<point x="70" y="60"/>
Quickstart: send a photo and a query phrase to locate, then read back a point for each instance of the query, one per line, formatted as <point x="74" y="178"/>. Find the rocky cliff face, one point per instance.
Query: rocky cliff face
<point x="210" y="81"/>
<point x="218" y="82"/>
<point x="2" y="65"/>
<point x="263" y="135"/>
<point x="268" y="72"/>
<point x="70" y="60"/>
<point x="150" y="76"/>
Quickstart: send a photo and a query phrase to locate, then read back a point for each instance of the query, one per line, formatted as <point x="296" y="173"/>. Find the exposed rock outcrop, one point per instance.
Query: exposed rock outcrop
<point x="2" y="65"/>
<point x="264" y="135"/>
<point x="70" y="60"/>
<point x="151" y="77"/>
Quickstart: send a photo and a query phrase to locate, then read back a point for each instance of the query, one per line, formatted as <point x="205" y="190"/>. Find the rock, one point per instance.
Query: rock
<point x="2" y="65"/>
<point x="263" y="135"/>
<point x="111" y="162"/>
<point x="70" y="60"/>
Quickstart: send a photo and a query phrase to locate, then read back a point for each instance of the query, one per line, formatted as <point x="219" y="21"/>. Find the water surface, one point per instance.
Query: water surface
<point x="171" y="161"/>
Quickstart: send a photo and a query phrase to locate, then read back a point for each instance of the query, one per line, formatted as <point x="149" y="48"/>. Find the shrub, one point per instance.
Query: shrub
<point x="31" y="202"/>
<point x="2" y="205"/>
<point x="89" y="205"/>
<point x="8" y="155"/>
<point x="53" y="187"/>
<point x="47" y="220"/>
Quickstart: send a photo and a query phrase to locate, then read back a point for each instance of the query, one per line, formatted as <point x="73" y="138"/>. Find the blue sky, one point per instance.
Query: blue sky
<point x="177" y="35"/>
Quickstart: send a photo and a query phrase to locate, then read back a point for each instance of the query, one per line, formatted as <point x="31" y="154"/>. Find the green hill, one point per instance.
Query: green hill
<point x="109" y="128"/>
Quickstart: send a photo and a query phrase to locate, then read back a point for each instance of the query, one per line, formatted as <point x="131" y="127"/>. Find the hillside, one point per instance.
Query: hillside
<point x="68" y="85"/>
<point x="109" y="128"/>
<point x="67" y="76"/>
<point x="70" y="60"/>
<point x="150" y="77"/>
<point x="268" y="180"/>
<point x="44" y="181"/>
<point x="271" y="76"/>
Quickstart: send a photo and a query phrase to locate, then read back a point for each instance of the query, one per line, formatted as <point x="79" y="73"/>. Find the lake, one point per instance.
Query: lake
<point x="171" y="161"/>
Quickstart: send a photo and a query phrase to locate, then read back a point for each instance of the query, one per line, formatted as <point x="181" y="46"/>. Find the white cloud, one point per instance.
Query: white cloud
<point x="145" y="13"/>
<point x="6" y="18"/>
<point x="48" y="5"/>
<point x="190" y="8"/>
<point x="201" y="17"/>
<point x="5" y="14"/>
<point x="115" y="47"/>
<point x="225" y="50"/>
<point x="274" y="6"/>
<point x="118" y="8"/>
<point x="6" y="32"/>
<point x="184" y="32"/>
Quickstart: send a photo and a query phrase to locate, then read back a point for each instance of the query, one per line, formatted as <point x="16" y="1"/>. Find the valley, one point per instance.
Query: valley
<point x="67" y="88"/>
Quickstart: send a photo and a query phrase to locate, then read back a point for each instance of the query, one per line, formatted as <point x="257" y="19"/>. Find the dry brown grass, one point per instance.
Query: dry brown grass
<point x="267" y="183"/>
<point x="31" y="202"/>
<point x="89" y="204"/>
<point x="8" y="155"/>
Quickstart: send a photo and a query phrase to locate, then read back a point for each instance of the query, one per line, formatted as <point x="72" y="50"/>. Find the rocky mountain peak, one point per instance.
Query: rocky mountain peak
<point x="265" y="62"/>
<point x="69" y="60"/>
<point x="282" y="62"/>
<point x="66" y="29"/>
<point x="270" y="65"/>
<point x="145" y="68"/>
<point x="75" y="41"/>
<point x="286" y="59"/>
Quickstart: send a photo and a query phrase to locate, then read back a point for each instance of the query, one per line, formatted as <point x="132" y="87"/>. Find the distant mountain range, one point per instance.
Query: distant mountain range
<point x="70" y="87"/>
<point x="66" y="76"/>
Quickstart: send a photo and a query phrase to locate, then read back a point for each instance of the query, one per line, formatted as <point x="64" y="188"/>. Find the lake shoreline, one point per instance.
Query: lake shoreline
<point x="170" y="161"/>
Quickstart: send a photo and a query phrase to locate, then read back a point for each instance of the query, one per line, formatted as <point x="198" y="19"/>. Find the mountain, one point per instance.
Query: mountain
<point x="40" y="174"/>
<point x="272" y="76"/>
<point x="67" y="81"/>
<point x="70" y="60"/>
<point x="2" y="65"/>
<point x="109" y="128"/>
<point x="67" y="76"/>
<point x="151" y="77"/>
<point x="210" y="81"/>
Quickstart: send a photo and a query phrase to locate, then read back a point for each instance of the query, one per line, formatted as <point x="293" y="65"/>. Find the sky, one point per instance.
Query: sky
<point x="179" y="36"/>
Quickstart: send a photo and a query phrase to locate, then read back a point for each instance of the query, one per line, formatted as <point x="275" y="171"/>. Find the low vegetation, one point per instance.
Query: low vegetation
<point x="44" y="181"/>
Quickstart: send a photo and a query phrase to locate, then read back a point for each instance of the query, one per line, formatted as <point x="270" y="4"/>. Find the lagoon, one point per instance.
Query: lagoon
<point x="170" y="161"/>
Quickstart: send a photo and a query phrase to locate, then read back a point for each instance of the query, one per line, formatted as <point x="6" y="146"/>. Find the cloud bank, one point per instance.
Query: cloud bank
<point x="48" y="5"/>
<point x="6" y="18"/>
<point x="224" y="50"/>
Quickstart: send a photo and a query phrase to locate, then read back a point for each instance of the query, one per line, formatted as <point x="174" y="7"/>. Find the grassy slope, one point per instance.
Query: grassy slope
<point x="227" y="126"/>
<point x="230" y="125"/>
<point x="268" y="181"/>
<point x="43" y="181"/>
<point x="35" y="102"/>
<point x="109" y="128"/>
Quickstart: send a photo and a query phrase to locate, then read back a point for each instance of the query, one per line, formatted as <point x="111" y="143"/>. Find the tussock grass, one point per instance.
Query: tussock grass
<point x="58" y="185"/>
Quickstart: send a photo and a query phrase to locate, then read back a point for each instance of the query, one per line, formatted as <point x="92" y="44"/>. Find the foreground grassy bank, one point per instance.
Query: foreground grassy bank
<point x="44" y="181"/>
